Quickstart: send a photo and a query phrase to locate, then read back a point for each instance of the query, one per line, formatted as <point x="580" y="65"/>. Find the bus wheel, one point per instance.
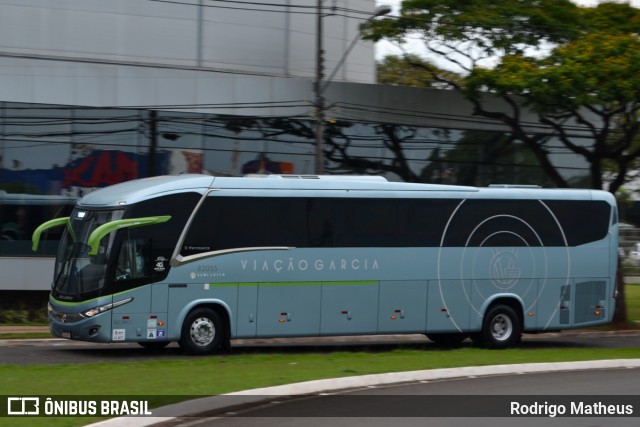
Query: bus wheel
<point x="447" y="338"/>
<point x="501" y="327"/>
<point x="201" y="332"/>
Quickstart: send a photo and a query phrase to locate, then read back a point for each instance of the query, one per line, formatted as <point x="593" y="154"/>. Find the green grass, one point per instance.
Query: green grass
<point x="225" y="373"/>
<point x="27" y="335"/>
<point x="632" y="295"/>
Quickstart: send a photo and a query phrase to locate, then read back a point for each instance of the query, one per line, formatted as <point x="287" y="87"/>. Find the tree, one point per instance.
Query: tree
<point x="577" y="69"/>
<point x="411" y="70"/>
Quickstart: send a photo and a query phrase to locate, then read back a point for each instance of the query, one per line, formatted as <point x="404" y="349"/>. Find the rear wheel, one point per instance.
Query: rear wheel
<point x="501" y="327"/>
<point x="202" y="332"/>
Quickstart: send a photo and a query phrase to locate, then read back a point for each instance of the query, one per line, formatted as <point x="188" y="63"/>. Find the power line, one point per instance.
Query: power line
<point x="277" y="8"/>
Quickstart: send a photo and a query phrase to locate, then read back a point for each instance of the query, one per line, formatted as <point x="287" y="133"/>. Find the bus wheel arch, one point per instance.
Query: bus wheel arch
<point x="502" y="324"/>
<point x="205" y="329"/>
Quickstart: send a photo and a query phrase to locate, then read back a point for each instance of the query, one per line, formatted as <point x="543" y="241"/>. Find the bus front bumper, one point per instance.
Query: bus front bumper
<point x="96" y="329"/>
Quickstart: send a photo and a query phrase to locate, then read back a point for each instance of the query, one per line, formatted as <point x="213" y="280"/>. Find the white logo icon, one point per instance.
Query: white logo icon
<point x="23" y="406"/>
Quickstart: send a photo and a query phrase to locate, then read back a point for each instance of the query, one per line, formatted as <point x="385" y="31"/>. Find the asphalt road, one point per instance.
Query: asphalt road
<point x="481" y="401"/>
<point x="54" y="351"/>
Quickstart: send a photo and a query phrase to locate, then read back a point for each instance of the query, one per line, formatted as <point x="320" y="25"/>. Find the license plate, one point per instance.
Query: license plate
<point x="66" y="335"/>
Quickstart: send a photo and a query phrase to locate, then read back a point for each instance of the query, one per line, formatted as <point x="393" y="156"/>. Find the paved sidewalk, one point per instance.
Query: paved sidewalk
<point x="17" y="329"/>
<point x="23" y="329"/>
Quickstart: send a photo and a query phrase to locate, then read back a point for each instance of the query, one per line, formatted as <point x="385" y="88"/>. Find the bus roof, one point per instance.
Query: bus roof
<point x="137" y="190"/>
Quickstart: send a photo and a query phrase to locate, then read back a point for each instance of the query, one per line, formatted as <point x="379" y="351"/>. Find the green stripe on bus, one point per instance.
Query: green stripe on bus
<point x="226" y="285"/>
<point x="347" y="283"/>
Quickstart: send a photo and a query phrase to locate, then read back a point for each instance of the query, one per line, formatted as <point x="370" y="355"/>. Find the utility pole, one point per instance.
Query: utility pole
<point x="319" y="86"/>
<point x="153" y="143"/>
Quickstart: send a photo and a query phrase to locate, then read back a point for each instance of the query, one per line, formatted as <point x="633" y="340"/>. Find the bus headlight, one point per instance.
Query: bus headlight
<point x="101" y="309"/>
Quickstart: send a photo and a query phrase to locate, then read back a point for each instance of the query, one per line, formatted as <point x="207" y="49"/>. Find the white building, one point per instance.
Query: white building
<point x="142" y="52"/>
<point x="93" y="92"/>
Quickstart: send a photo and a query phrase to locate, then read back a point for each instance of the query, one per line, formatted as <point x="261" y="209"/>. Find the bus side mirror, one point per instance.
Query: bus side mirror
<point x="94" y="238"/>
<point x="35" y="238"/>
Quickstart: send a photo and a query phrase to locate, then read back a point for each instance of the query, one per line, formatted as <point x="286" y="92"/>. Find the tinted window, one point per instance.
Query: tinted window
<point x="165" y="235"/>
<point x="528" y="223"/>
<point x="582" y="221"/>
<point x="237" y="222"/>
<point x="143" y="253"/>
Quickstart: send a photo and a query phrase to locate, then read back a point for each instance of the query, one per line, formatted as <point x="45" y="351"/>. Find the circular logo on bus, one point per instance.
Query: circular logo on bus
<point x="505" y="271"/>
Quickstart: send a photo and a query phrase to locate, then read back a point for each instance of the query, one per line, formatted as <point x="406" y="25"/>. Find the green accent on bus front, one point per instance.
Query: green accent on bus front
<point x="35" y="238"/>
<point x="94" y="238"/>
<point x="74" y="303"/>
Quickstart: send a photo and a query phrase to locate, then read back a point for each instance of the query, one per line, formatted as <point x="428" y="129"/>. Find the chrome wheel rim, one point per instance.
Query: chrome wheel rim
<point x="501" y="327"/>
<point x="202" y="331"/>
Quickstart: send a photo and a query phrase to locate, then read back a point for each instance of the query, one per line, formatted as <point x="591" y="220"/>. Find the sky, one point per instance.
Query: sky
<point x="384" y="48"/>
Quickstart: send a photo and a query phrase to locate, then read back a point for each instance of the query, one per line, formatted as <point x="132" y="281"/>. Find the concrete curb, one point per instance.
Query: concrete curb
<point x="258" y="395"/>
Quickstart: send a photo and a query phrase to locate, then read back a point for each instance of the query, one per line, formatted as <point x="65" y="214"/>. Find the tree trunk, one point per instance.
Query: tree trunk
<point x="620" y="316"/>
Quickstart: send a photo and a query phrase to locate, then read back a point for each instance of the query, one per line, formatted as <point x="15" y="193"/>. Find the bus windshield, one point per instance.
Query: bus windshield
<point x="78" y="275"/>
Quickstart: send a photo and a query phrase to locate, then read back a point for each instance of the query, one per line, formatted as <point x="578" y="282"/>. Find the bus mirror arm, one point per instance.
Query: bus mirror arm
<point x="94" y="238"/>
<point x="35" y="238"/>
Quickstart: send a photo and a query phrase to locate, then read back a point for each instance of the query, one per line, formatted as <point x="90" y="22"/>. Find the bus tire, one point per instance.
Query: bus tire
<point x="501" y="327"/>
<point x="202" y="332"/>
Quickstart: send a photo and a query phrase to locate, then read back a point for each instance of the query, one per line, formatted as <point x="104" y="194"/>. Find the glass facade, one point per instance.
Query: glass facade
<point x="52" y="150"/>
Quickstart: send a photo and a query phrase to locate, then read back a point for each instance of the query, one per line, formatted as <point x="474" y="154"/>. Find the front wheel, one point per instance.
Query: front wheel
<point x="501" y="327"/>
<point x="201" y="332"/>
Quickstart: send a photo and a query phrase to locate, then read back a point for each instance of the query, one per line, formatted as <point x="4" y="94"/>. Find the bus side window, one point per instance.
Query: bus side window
<point x="132" y="261"/>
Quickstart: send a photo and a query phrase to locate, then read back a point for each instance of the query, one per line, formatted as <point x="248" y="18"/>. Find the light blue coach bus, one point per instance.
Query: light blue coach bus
<point x="204" y="260"/>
